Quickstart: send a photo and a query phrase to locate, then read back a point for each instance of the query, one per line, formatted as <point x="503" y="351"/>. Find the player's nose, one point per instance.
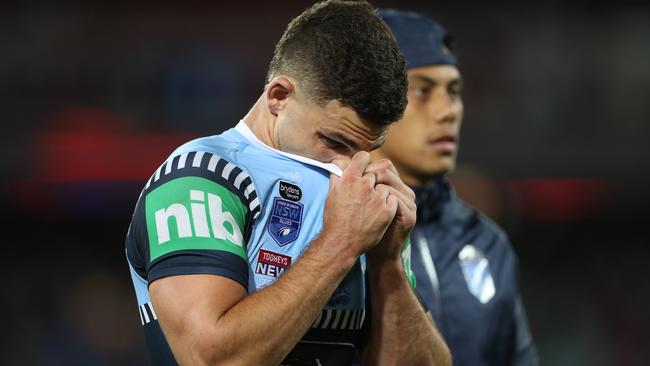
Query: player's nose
<point x="445" y="112"/>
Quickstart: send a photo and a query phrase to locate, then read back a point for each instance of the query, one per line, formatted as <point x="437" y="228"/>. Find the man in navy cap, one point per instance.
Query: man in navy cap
<point x="465" y="268"/>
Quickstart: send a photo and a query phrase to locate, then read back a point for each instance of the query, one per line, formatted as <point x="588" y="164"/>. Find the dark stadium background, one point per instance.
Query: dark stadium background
<point x="94" y="95"/>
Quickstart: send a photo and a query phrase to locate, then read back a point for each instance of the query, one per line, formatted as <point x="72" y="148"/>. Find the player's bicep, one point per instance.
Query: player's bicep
<point x="188" y="309"/>
<point x="189" y="242"/>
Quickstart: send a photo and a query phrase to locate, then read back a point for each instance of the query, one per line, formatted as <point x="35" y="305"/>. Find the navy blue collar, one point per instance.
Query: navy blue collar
<point x="432" y="198"/>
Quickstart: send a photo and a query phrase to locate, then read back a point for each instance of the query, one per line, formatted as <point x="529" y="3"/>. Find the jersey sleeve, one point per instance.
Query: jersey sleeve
<point x="406" y="259"/>
<point x="194" y="216"/>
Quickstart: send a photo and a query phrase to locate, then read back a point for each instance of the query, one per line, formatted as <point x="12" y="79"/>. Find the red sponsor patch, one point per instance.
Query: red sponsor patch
<point x="266" y="256"/>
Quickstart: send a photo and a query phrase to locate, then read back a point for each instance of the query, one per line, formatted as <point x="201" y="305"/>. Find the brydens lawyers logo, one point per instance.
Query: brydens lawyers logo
<point x="290" y="191"/>
<point x="271" y="263"/>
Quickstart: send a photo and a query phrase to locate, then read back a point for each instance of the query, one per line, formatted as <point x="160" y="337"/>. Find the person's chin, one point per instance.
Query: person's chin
<point x="442" y="166"/>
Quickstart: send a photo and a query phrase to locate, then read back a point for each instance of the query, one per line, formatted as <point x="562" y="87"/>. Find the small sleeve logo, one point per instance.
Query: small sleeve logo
<point x="290" y="191"/>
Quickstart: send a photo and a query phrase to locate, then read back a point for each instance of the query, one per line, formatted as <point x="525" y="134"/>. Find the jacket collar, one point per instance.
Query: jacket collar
<point x="432" y="198"/>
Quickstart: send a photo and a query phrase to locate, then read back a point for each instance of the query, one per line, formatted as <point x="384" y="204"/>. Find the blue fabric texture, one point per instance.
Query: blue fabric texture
<point x="482" y="328"/>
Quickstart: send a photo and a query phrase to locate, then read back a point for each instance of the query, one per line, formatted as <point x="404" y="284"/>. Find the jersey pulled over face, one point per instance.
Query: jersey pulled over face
<point x="326" y="133"/>
<point x="230" y="206"/>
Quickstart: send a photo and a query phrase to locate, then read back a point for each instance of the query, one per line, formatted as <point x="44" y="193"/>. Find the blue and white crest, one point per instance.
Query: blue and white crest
<point x="284" y="225"/>
<point x="476" y="270"/>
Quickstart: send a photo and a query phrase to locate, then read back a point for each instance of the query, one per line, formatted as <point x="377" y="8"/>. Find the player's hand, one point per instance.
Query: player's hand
<point x="357" y="211"/>
<point x="392" y="243"/>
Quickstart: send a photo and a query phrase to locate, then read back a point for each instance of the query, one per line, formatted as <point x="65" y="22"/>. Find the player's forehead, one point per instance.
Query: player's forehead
<point x="434" y="74"/>
<point x="344" y="123"/>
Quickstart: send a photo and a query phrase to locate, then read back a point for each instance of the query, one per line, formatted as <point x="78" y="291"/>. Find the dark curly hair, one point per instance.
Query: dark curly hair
<point x="341" y="50"/>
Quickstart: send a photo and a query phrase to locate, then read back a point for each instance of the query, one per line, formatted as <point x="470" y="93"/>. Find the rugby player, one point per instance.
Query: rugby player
<point x="278" y="242"/>
<point x="465" y="268"/>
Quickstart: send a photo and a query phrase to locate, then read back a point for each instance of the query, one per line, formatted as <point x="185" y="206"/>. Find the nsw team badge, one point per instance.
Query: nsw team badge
<point x="284" y="224"/>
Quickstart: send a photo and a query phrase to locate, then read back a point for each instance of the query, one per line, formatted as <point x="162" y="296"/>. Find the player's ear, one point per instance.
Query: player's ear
<point x="277" y="94"/>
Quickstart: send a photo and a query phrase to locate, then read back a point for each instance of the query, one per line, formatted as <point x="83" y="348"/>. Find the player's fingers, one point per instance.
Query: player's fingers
<point x="383" y="191"/>
<point x="382" y="164"/>
<point x="391" y="178"/>
<point x="386" y="176"/>
<point x="392" y="202"/>
<point x="334" y="180"/>
<point x="372" y="179"/>
<point x="341" y="163"/>
<point x="406" y="202"/>
<point x="410" y="192"/>
<point x="401" y="209"/>
<point x="358" y="164"/>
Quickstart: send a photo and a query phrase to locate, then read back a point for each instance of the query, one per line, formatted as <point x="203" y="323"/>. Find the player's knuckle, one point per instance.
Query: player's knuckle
<point x="387" y="164"/>
<point x="382" y="166"/>
<point x="368" y="181"/>
<point x="383" y="175"/>
<point x="410" y="192"/>
<point x="348" y="179"/>
<point x="364" y="188"/>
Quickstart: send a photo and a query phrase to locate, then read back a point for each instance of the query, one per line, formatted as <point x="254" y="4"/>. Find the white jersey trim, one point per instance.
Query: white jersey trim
<point x="245" y="131"/>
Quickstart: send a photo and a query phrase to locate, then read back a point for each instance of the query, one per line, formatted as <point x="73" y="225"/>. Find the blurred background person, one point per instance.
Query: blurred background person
<point x="465" y="268"/>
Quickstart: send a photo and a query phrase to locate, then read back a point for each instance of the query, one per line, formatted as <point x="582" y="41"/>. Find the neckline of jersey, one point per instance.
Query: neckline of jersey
<point x="248" y="134"/>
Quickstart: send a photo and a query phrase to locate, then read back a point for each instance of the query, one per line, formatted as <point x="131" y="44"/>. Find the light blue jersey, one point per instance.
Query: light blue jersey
<point x="287" y="222"/>
<point x="231" y="206"/>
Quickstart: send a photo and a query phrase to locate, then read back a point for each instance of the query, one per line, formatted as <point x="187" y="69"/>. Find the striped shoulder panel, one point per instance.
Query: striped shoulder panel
<point x="147" y="314"/>
<point x="212" y="167"/>
<point x="340" y="319"/>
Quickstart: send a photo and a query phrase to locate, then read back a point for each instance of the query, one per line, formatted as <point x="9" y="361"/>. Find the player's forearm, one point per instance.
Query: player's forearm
<point x="263" y="327"/>
<point x="401" y="332"/>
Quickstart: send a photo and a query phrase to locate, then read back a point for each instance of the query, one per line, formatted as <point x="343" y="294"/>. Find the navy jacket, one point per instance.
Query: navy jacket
<point x="466" y="275"/>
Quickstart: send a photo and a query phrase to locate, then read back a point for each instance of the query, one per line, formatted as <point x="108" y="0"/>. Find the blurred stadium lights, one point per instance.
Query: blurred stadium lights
<point x="90" y="161"/>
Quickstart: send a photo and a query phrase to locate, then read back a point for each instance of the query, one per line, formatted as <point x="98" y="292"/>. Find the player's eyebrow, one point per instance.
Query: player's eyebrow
<point x="456" y="81"/>
<point x="423" y="78"/>
<point x="377" y="144"/>
<point x="346" y="141"/>
<point x="432" y="82"/>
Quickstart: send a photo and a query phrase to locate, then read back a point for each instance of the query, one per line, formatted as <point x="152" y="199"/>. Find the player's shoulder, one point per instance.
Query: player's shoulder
<point x="209" y="165"/>
<point x="487" y="235"/>
<point x="224" y="144"/>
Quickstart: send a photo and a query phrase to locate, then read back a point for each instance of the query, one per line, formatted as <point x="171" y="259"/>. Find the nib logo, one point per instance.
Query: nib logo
<point x="194" y="213"/>
<point x="197" y="219"/>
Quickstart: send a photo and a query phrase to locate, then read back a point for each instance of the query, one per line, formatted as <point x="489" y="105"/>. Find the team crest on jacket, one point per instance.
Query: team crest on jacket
<point x="284" y="224"/>
<point x="476" y="270"/>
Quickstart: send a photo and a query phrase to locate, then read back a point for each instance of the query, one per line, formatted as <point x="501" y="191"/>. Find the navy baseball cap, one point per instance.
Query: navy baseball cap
<point x="423" y="42"/>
